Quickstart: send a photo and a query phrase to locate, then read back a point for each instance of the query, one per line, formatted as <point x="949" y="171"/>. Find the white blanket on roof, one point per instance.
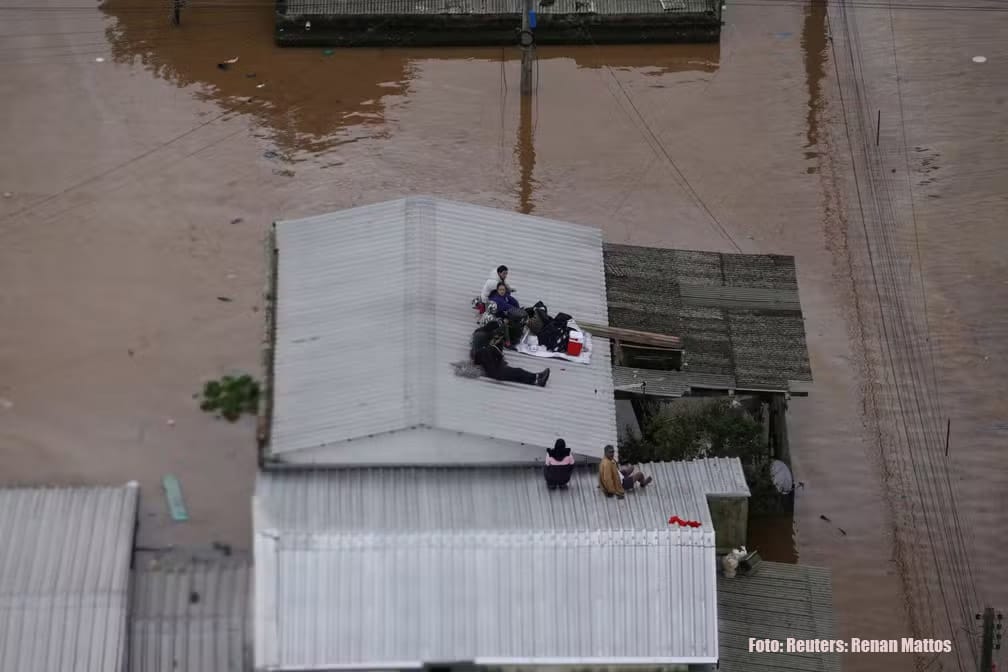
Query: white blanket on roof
<point x="529" y="345"/>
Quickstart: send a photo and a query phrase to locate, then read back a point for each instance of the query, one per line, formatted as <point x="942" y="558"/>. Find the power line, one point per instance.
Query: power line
<point x="887" y="259"/>
<point x="652" y="137"/>
<point x="920" y="273"/>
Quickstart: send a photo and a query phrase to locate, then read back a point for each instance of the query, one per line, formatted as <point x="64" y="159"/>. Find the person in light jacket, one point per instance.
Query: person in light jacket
<point x="615" y="480"/>
<point x="559" y="466"/>
<point x="490" y="286"/>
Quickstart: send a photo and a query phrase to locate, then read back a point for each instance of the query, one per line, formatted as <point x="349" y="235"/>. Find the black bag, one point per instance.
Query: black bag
<point x="554" y="335"/>
<point x="538" y="318"/>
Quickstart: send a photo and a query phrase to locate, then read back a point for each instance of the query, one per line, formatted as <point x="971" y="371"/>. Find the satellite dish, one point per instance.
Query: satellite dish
<point x="782" y="478"/>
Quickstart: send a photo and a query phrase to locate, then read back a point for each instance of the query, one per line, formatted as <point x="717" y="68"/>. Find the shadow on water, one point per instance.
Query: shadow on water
<point x="310" y="100"/>
<point x="813" y="42"/>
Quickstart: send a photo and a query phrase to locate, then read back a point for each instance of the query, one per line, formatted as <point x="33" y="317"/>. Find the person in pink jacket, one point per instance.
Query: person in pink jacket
<point x="559" y="466"/>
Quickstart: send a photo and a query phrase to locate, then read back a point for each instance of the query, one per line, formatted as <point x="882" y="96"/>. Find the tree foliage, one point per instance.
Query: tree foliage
<point x="695" y="430"/>
<point x="707" y="428"/>
<point x="231" y="396"/>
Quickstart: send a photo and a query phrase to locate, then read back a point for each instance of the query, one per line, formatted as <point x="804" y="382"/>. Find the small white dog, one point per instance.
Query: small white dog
<point x="730" y="562"/>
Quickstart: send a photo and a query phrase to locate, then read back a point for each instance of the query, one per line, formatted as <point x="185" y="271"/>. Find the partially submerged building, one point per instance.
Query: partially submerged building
<point x="738" y="316"/>
<point x="400" y="568"/>
<point x="739" y="321"/>
<point x="369" y="307"/>
<point x="64" y="577"/>
<point x="190" y="610"/>
<point x="494" y="22"/>
<point x="401" y="519"/>
<point x="776" y="602"/>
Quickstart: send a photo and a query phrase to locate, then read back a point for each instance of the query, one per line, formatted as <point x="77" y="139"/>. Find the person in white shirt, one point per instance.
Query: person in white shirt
<point x="490" y="286"/>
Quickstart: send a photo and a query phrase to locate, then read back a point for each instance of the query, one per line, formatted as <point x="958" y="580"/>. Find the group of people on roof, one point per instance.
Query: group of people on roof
<point x="615" y="480"/>
<point x="503" y="323"/>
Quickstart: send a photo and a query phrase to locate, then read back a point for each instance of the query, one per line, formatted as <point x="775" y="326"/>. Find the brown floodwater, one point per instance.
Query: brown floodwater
<point x="137" y="189"/>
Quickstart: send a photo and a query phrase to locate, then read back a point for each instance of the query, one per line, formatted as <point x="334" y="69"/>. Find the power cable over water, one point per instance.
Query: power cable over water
<point x="918" y="417"/>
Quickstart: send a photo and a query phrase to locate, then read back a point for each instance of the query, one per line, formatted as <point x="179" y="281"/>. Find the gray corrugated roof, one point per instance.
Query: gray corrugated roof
<point x="373" y="306"/>
<point x="190" y="613"/>
<point x="499" y="498"/>
<point x="716" y="475"/>
<point x="64" y="577"/>
<point x="295" y="8"/>
<point x="738" y="315"/>
<point x="391" y="567"/>
<point x="777" y="602"/>
<point x="654" y="382"/>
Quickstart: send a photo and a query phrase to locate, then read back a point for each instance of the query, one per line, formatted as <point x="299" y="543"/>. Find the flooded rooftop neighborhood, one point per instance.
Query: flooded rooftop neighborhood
<point x="256" y="412"/>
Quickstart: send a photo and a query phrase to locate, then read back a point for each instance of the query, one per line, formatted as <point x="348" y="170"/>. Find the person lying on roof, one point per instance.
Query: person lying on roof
<point x="559" y="466"/>
<point x="490" y="286"/>
<point x="488" y="355"/>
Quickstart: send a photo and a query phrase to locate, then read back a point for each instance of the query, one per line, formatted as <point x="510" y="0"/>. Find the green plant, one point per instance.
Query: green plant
<point x="693" y="430"/>
<point x="707" y="428"/>
<point x="230" y="396"/>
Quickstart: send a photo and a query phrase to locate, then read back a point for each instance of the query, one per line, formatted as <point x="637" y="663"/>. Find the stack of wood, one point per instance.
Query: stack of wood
<point x="641" y="342"/>
<point x="647" y="338"/>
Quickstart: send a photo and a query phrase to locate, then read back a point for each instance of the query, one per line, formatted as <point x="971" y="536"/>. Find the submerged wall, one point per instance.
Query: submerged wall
<point x="494" y="22"/>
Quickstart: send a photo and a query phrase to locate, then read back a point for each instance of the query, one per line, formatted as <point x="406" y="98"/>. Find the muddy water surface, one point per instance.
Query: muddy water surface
<point x="141" y="185"/>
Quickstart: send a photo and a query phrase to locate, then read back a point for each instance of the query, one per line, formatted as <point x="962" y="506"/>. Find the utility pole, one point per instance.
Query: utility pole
<point x="526" y="40"/>
<point x="990" y="639"/>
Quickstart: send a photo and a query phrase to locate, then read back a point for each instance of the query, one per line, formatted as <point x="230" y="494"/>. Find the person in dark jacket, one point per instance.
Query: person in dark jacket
<point x="559" y="466"/>
<point x="491" y="359"/>
<point x="506" y="303"/>
<point x="491" y="333"/>
<point x="511" y="312"/>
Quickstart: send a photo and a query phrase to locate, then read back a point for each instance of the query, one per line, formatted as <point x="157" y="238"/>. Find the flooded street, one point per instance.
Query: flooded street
<point x="140" y="178"/>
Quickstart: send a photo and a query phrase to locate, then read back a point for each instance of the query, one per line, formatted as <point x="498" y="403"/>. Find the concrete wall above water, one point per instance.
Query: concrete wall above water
<point x="360" y="23"/>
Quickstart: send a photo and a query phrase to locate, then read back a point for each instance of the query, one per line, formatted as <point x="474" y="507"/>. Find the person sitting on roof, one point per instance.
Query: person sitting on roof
<point x="614" y="480"/>
<point x="632" y="475"/>
<point x="559" y="466"/>
<point x="488" y="355"/>
<point x="490" y="286"/>
<point x="490" y="332"/>
<point x="506" y="303"/>
<point x="508" y="308"/>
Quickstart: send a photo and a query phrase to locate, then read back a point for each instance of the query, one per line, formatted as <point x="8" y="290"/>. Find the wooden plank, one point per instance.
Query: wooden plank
<point x="173" y="493"/>
<point x="634" y="336"/>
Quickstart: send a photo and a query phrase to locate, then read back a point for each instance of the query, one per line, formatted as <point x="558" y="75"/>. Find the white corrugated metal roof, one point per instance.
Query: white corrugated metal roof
<point x="716" y="475"/>
<point x="373" y="306"/>
<point x="393" y="601"/>
<point x="394" y="567"/>
<point x="191" y="614"/>
<point x="500" y="499"/>
<point x="64" y="577"/>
